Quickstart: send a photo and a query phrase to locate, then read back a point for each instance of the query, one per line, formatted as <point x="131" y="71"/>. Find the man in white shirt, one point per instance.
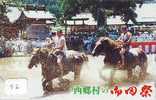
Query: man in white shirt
<point x="60" y="45"/>
<point x="60" y="42"/>
<point x="125" y="39"/>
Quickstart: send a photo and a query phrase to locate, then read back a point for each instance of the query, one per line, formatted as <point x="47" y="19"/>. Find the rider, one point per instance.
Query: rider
<point x="60" y="44"/>
<point x="125" y="39"/>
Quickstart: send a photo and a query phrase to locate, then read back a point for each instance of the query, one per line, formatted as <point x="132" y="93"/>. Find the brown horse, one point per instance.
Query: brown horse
<point x="111" y="50"/>
<point x="50" y="68"/>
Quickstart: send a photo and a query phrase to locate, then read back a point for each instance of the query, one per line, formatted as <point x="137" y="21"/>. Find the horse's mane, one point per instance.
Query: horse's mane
<point x="110" y="42"/>
<point x="43" y="50"/>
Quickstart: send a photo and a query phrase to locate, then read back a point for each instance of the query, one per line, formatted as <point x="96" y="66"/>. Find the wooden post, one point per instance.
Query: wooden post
<point x="83" y="21"/>
<point x="74" y="22"/>
<point x="66" y="26"/>
<point x="89" y="28"/>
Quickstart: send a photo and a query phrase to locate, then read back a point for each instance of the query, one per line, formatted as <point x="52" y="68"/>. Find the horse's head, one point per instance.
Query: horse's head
<point x="39" y="56"/>
<point x="102" y="46"/>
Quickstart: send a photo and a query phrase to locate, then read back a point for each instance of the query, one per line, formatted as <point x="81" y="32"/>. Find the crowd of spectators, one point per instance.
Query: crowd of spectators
<point x="81" y="42"/>
<point x="137" y="36"/>
<point x="144" y="36"/>
<point x="84" y="42"/>
<point x="4" y="50"/>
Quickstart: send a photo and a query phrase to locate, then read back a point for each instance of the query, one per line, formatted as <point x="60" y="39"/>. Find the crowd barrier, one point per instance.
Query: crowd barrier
<point x="148" y="47"/>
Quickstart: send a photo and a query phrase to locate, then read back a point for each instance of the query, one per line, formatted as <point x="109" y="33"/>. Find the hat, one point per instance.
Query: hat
<point x="59" y="29"/>
<point x="60" y="32"/>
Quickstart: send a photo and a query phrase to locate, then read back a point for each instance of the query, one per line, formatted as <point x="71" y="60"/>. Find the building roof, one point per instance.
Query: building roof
<point x="79" y="17"/>
<point x="114" y="20"/>
<point x="91" y="21"/>
<point x="50" y="22"/>
<point x="14" y="14"/>
<point x="146" y="13"/>
<point x="39" y="14"/>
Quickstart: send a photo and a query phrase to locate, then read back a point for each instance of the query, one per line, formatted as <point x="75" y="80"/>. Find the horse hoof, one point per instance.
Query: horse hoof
<point x="130" y="79"/>
<point x="46" y="93"/>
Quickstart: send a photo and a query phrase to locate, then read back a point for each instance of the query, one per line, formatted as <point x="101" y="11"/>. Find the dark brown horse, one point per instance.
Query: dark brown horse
<point x="111" y="50"/>
<point x="50" y="68"/>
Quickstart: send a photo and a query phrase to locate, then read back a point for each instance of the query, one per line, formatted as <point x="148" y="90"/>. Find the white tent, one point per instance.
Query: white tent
<point x="146" y="13"/>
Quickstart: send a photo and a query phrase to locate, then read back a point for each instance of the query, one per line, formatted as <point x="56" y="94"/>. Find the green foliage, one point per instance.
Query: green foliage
<point x="99" y="8"/>
<point x="102" y="8"/>
<point x="101" y="31"/>
<point x="54" y="7"/>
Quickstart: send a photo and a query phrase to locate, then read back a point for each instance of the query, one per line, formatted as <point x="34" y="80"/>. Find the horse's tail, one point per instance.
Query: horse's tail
<point x="143" y="56"/>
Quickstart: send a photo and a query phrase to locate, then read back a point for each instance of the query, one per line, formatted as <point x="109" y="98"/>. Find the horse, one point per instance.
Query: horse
<point x="50" y="67"/>
<point x="133" y="57"/>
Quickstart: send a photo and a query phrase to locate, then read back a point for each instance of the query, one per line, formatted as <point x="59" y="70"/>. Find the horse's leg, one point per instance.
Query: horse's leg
<point x="104" y="67"/>
<point x="143" y="70"/>
<point x="112" y="77"/>
<point x="129" y="73"/>
<point x="77" y="69"/>
<point x="44" y="84"/>
<point x="47" y="87"/>
<point x="50" y="86"/>
<point x="106" y="59"/>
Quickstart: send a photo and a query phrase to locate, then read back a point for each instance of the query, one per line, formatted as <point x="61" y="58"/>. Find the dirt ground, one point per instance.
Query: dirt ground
<point x="16" y="67"/>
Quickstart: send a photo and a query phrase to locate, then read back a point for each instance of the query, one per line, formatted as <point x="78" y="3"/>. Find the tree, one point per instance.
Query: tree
<point x="101" y="9"/>
<point x="3" y="18"/>
<point x="52" y="5"/>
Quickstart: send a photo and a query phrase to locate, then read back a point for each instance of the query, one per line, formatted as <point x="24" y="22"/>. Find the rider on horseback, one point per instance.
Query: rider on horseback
<point x="125" y="40"/>
<point x="60" y="45"/>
